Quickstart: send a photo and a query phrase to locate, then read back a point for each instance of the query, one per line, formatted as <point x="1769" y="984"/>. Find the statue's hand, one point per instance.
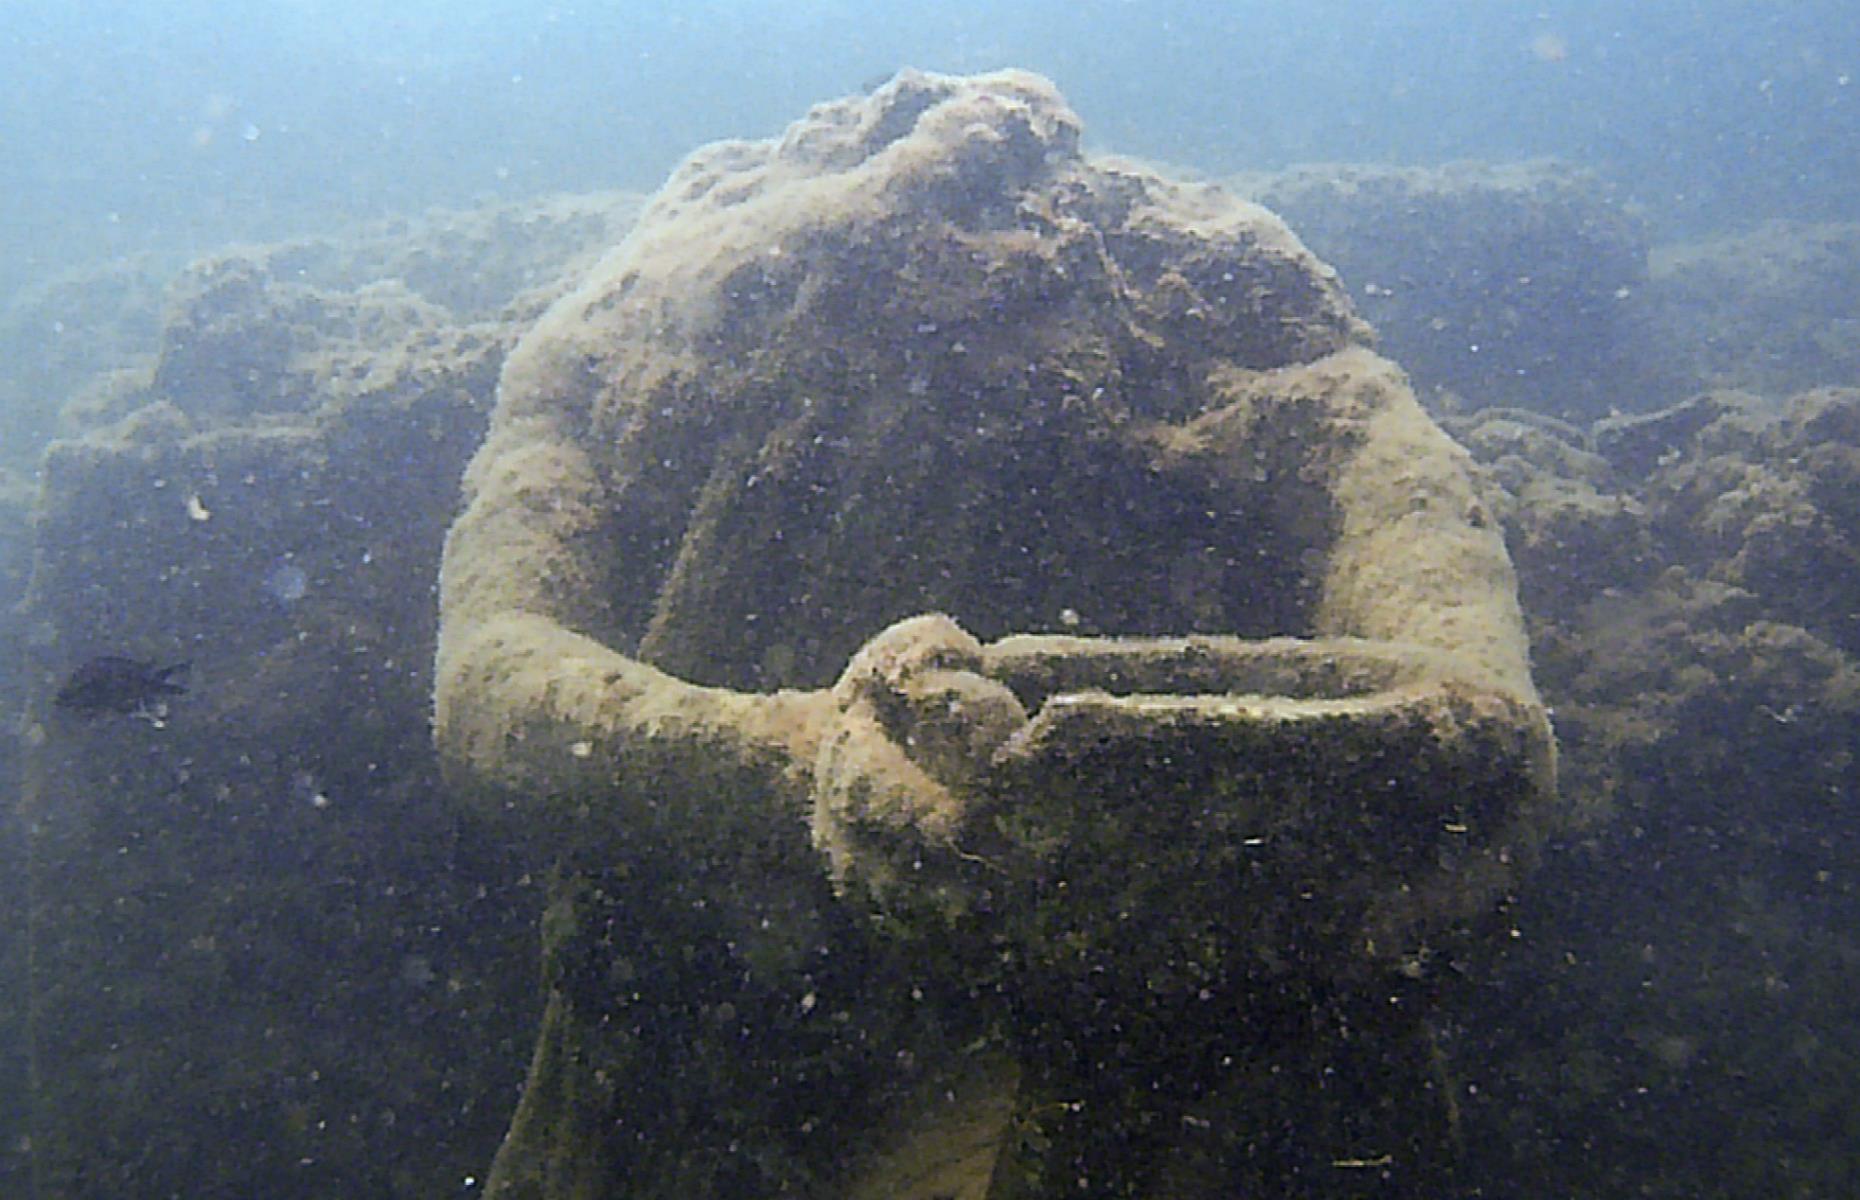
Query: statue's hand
<point x="903" y="775"/>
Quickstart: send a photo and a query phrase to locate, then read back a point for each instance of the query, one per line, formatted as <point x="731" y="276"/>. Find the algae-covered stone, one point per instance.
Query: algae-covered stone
<point x="259" y="932"/>
<point x="1771" y="309"/>
<point x="1028" y="545"/>
<point x="1497" y="283"/>
<point x="1686" y="957"/>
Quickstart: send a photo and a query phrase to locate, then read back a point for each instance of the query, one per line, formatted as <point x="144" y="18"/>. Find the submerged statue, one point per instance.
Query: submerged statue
<point x="985" y="641"/>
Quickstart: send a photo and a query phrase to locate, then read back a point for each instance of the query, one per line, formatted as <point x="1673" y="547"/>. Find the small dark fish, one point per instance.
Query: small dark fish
<point x="111" y="683"/>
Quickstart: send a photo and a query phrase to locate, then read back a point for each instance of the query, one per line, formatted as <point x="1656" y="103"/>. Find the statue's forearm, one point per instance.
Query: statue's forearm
<point x="532" y="713"/>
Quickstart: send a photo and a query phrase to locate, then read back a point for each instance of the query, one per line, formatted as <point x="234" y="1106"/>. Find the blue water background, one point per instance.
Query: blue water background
<point x="176" y="127"/>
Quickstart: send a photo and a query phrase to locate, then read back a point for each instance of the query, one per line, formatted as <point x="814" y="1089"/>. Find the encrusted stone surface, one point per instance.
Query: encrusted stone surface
<point x="765" y="504"/>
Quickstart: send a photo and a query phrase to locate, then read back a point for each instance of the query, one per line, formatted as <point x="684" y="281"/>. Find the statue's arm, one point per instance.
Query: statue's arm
<point x="1412" y="682"/>
<point x="1419" y="559"/>
<point x="532" y="707"/>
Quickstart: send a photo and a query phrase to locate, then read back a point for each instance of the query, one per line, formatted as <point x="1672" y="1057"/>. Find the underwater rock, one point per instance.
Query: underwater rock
<point x="58" y="333"/>
<point x="292" y="326"/>
<point x="1574" y="527"/>
<point x="1774" y="310"/>
<point x="1764" y="496"/>
<point x="231" y="895"/>
<point x="1028" y="542"/>
<point x="1694" y="933"/>
<point x="1509" y="284"/>
<point x="15" y="558"/>
<point x="16" y="495"/>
